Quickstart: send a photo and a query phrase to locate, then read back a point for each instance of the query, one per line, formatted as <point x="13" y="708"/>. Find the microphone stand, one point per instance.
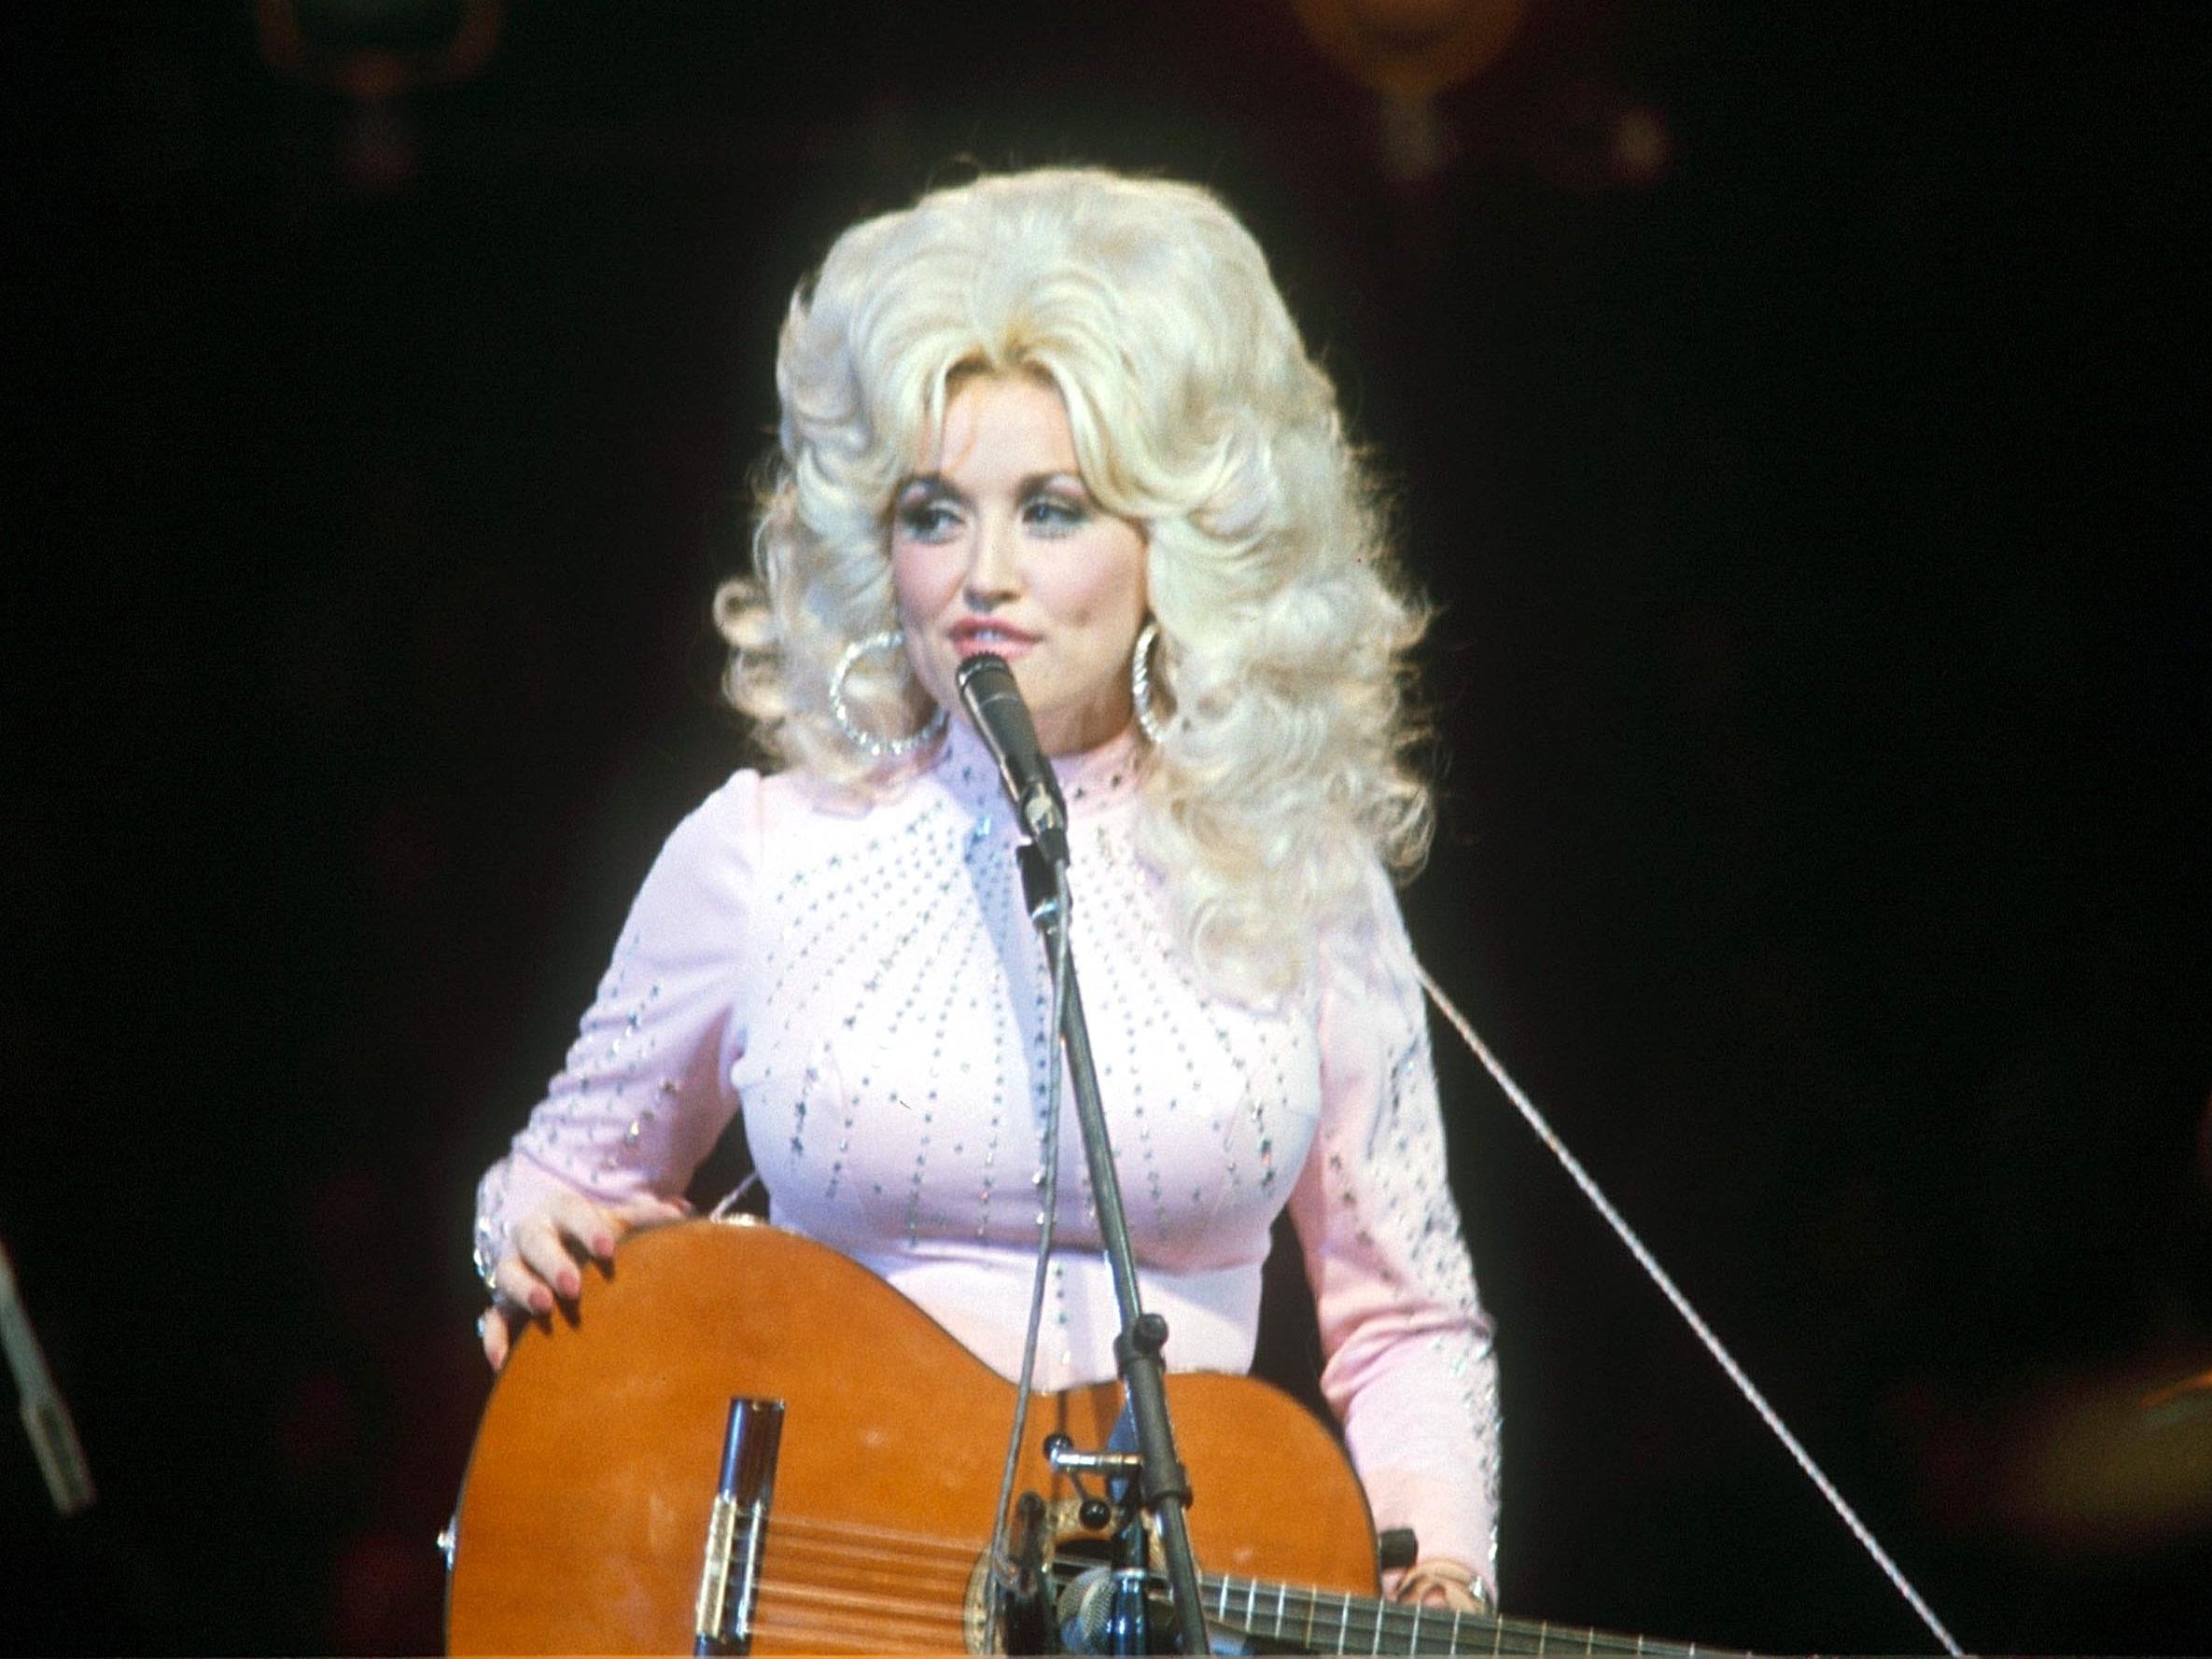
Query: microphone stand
<point x="1163" y="1486"/>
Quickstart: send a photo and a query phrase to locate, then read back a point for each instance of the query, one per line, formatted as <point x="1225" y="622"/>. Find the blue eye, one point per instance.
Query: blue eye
<point x="931" y="518"/>
<point x="1053" y="514"/>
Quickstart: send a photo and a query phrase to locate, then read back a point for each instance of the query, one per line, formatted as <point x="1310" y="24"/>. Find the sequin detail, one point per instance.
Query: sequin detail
<point x="869" y="986"/>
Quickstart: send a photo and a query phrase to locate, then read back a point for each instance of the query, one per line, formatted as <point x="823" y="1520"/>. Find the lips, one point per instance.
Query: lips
<point x="975" y="638"/>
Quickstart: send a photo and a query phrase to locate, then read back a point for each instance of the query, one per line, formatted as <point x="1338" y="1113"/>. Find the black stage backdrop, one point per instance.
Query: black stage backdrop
<point x="1796" y="413"/>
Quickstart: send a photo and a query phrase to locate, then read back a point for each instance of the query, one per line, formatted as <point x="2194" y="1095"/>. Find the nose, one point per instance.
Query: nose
<point x="994" y="565"/>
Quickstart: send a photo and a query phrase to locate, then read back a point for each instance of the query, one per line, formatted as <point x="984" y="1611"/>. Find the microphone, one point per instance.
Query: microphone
<point x="1106" y="1611"/>
<point x="1001" y="718"/>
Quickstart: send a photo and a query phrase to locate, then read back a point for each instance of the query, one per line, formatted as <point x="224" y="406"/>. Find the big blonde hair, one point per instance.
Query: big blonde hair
<point x="1196" y="413"/>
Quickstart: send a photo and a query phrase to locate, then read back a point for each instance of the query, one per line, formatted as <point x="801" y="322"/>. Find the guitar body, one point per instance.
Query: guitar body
<point x="584" y="1512"/>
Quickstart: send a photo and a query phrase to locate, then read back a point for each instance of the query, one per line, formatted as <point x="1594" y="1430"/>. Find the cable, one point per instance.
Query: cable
<point x="1667" y="1287"/>
<point x="1000" y="1575"/>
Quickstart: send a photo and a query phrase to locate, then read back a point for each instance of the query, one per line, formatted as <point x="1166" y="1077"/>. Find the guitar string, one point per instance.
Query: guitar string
<point x="866" y="1634"/>
<point x="887" y="1542"/>
<point x="1658" y="1277"/>
<point x="1328" y="1616"/>
<point x="1446" y="1630"/>
<point x="1325" y="1627"/>
<point x="803" y="1608"/>
<point x="926" y="1606"/>
<point x="893" y="1577"/>
<point x="832" y="1616"/>
<point x="1324" y="1610"/>
<point x="829" y="1636"/>
<point x="817" y="1607"/>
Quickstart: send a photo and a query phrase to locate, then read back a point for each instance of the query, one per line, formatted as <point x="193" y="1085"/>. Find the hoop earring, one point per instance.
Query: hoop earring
<point x="875" y="748"/>
<point x="1148" y="721"/>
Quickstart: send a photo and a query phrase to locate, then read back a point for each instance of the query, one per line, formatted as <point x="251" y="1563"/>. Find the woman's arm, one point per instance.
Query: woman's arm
<point x="645" y="1091"/>
<point x="1409" y="1366"/>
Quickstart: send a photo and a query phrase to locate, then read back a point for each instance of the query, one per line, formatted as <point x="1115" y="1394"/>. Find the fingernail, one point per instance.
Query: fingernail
<point x="570" y="1282"/>
<point x="603" y="1244"/>
<point x="540" y="1300"/>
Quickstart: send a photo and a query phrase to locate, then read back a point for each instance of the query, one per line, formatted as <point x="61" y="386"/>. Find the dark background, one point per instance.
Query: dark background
<point x="1796" y="415"/>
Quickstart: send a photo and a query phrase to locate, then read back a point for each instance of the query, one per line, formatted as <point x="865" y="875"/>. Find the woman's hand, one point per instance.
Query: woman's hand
<point x="545" y="1253"/>
<point x="1446" y="1585"/>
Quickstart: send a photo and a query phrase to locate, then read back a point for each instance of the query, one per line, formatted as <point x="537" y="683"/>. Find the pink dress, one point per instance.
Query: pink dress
<point x="864" y="983"/>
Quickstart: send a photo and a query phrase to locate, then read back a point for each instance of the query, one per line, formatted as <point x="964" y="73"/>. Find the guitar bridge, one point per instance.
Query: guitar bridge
<point x="736" y="1528"/>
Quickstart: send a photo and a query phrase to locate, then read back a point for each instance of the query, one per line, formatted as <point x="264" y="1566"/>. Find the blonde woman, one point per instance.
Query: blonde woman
<point x="1064" y="417"/>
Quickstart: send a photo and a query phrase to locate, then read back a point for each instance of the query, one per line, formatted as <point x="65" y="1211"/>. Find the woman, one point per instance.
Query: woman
<point x="1063" y="417"/>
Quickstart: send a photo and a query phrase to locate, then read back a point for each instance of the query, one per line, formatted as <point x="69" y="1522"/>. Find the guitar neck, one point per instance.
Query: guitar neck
<point x="1330" y="1621"/>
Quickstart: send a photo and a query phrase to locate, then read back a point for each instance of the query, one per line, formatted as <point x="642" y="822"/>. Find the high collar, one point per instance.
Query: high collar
<point x="1091" y="779"/>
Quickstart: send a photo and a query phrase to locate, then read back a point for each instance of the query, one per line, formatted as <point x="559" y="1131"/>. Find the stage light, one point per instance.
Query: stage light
<point x="375" y="50"/>
<point x="1411" y="50"/>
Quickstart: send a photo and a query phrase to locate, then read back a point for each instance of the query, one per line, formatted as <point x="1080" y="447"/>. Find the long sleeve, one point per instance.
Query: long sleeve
<point x="645" y="1089"/>
<point x="1410" y="1369"/>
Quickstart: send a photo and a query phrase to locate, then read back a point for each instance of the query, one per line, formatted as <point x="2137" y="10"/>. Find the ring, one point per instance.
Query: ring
<point x="480" y="1321"/>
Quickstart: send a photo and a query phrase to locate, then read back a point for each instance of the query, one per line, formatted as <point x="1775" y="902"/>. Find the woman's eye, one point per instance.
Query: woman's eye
<point x="928" y="520"/>
<point x="1055" y="515"/>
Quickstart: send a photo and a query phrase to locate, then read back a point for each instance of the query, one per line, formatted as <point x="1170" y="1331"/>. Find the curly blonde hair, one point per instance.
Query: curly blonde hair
<point x="1196" y="412"/>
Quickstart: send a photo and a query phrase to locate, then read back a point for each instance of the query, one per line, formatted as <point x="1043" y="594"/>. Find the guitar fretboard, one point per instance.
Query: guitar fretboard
<point x="1330" y="1621"/>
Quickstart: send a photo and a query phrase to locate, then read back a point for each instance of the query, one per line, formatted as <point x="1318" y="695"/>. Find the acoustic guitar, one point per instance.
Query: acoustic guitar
<point x="590" y="1499"/>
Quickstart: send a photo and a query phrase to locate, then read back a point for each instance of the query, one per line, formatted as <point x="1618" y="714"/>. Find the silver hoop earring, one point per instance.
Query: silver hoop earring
<point x="875" y="748"/>
<point x="1148" y="721"/>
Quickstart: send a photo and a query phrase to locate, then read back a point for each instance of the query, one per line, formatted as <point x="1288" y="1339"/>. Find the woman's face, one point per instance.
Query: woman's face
<point x="997" y="546"/>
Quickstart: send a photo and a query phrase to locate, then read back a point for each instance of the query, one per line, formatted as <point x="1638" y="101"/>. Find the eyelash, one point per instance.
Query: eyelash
<point x="1054" y="514"/>
<point x="928" y="520"/>
<point x="1047" y="513"/>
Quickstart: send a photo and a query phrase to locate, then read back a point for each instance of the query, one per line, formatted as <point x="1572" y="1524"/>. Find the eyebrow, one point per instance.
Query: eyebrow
<point x="936" y="483"/>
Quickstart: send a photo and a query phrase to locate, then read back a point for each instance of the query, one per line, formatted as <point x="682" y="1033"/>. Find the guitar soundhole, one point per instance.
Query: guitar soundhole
<point x="1075" y="1551"/>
